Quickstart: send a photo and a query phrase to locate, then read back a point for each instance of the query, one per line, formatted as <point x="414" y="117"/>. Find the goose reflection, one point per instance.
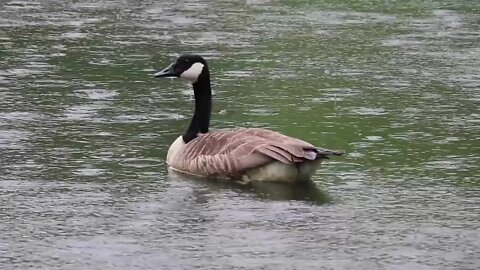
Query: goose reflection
<point x="306" y="191"/>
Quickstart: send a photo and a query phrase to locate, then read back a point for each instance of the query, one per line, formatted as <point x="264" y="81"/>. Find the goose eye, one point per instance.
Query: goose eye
<point x="177" y="69"/>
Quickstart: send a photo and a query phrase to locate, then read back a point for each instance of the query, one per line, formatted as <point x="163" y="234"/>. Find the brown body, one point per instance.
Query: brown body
<point x="246" y="154"/>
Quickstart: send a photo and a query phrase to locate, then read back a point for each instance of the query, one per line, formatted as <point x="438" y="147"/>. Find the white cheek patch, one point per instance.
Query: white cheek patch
<point x="193" y="72"/>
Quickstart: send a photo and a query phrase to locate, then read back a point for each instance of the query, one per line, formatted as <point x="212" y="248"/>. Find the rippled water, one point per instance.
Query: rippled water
<point x="84" y="130"/>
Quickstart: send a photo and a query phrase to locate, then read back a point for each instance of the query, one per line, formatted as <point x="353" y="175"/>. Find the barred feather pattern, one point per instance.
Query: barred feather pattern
<point x="230" y="153"/>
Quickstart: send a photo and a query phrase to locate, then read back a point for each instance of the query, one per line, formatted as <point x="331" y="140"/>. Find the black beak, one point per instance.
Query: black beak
<point x="166" y="72"/>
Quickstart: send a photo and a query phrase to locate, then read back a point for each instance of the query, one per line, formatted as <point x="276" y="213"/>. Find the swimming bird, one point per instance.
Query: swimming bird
<point x="248" y="154"/>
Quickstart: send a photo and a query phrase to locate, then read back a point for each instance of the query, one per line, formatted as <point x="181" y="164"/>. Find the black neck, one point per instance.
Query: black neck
<point x="203" y="107"/>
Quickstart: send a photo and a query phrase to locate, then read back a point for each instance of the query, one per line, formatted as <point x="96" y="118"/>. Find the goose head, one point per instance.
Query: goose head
<point x="189" y="67"/>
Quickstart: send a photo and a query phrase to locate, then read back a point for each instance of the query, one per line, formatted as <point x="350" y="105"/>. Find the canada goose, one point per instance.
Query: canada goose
<point x="245" y="154"/>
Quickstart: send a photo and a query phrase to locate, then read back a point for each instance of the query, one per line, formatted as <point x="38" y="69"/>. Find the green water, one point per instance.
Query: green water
<point x="84" y="131"/>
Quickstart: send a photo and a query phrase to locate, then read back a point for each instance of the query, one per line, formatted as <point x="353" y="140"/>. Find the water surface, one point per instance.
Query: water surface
<point x="84" y="130"/>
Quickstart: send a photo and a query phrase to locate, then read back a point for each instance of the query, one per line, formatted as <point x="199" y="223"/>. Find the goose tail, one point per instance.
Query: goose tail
<point x="325" y="153"/>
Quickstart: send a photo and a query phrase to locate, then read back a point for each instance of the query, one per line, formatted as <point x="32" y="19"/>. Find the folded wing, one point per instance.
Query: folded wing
<point x="232" y="152"/>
